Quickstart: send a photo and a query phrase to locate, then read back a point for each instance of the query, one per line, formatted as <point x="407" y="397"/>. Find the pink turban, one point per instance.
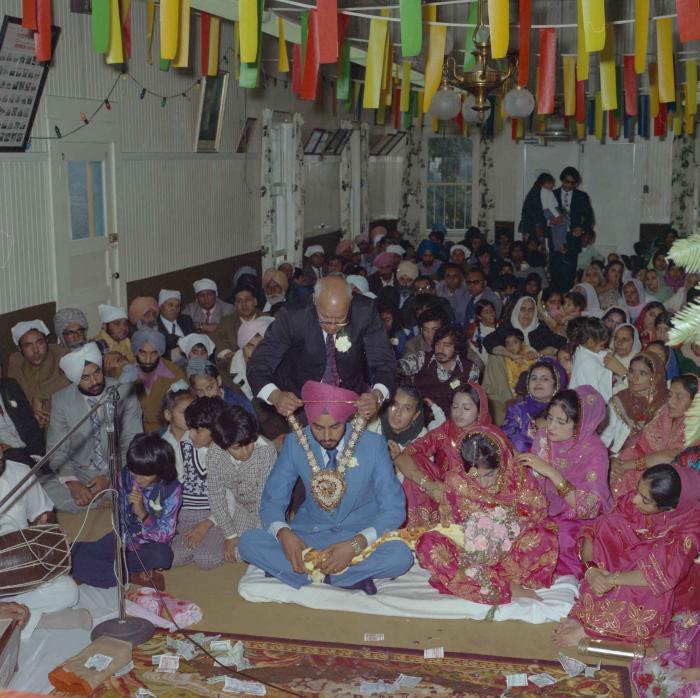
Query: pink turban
<point x="279" y="277"/>
<point x="249" y="329"/>
<point x="140" y="306"/>
<point x="384" y="258"/>
<point x="327" y="399"/>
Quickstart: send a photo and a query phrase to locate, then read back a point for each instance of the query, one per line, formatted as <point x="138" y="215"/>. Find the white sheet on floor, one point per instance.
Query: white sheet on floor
<point x="409" y="596"/>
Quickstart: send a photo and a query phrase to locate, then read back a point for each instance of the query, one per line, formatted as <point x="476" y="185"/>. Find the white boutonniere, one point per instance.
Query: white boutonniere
<point x="352" y="463"/>
<point x="395" y="341"/>
<point x="342" y="343"/>
<point x="454" y="383"/>
<point x="13" y="403"/>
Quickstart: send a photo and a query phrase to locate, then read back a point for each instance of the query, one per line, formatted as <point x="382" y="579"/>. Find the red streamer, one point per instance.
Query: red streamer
<point x="343" y="21"/>
<point x="688" y="20"/>
<point x="514" y="129"/>
<point x="205" y="24"/>
<point x="524" y="33"/>
<point x="660" y="120"/>
<point x="630" y="81"/>
<point x="29" y="14"/>
<point x="42" y="38"/>
<point x="126" y="33"/>
<point x="612" y="124"/>
<point x="327" y="12"/>
<point x="580" y="115"/>
<point x="548" y="70"/>
<point x="309" y="82"/>
<point x="296" y="69"/>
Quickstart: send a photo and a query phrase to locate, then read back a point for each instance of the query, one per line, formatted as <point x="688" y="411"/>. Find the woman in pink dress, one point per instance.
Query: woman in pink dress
<point x="427" y="460"/>
<point x="490" y="477"/>
<point x="638" y="558"/>
<point x="573" y="464"/>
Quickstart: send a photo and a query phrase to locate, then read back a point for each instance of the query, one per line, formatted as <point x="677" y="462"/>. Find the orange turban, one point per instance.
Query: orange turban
<point x="140" y="306"/>
<point x="321" y="398"/>
<point x="279" y="277"/>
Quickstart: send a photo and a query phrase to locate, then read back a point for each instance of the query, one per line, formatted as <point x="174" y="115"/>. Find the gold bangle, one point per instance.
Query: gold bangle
<point x="422" y="482"/>
<point x="564" y="488"/>
<point x="640" y="463"/>
<point x="614" y="579"/>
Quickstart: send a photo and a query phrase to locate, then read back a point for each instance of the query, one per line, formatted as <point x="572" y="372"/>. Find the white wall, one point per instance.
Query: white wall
<point x="385" y="174"/>
<point x="175" y="208"/>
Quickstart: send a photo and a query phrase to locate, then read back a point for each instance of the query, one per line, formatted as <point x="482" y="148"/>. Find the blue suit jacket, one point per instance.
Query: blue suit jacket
<point x="373" y="495"/>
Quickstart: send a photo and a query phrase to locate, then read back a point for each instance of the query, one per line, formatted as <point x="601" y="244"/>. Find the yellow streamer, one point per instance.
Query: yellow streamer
<point x="169" y="23"/>
<point x="433" y="65"/>
<point x="691" y="84"/>
<point x="664" y="47"/>
<point x="608" y="78"/>
<point x="434" y="125"/>
<point x="582" y="54"/>
<point x="150" y="22"/>
<point x="406" y="86"/>
<point x="594" y="24"/>
<point x="689" y="119"/>
<point x="569" y="85"/>
<point x="283" y="58"/>
<point x="421" y="97"/>
<point x="182" y="57"/>
<point x="498" y="27"/>
<point x="429" y="13"/>
<point x="599" y="116"/>
<point x="115" y="52"/>
<point x="641" y="35"/>
<point x="248" y="19"/>
<point x="581" y="130"/>
<point x="374" y="71"/>
<point x="521" y="129"/>
<point x="356" y="87"/>
<point x="653" y="90"/>
<point x="213" y="59"/>
<point x="677" y="116"/>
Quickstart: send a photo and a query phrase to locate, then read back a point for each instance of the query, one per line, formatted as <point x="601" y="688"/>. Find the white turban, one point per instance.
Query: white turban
<point x="249" y="329"/>
<point x="464" y="249"/>
<point x="205" y="285"/>
<point x="73" y="364"/>
<point x="166" y="294"/>
<point x="396" y="249"/>
<point x="313" y="249"/>
<point x="361" y="284"/>
<point x="21" y="328"/>
<point x="110" y="313"/>
<point x="188" y="342"/>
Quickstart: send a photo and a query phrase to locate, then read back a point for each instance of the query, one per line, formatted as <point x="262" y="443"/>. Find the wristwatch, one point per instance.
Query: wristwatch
<point x="356" y="545"/>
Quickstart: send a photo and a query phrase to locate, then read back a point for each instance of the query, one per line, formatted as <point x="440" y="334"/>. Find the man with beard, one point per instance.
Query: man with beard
<point x="81" y="463"/>
<point x="70" y="326"/>
<point x="113" y="338"/>
<point x="155" y="375"/>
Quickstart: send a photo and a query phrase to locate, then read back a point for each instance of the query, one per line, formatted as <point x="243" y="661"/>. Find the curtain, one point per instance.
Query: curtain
<point x="364" y="177"/>
<point x="683" y="184"/>
<point x="412" y="221"/>
<point x="299" y="189"/>
<point x="346" y="186"/>
<point x="267" y="201"/>
<point x="485" y="214"/>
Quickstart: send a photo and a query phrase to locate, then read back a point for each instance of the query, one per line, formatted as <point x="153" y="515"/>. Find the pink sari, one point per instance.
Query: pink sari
<point x="436" y="454"/>
<point x="583" y="461"/>
<point x="533" y="557"/>
<point x="662" y="546"/>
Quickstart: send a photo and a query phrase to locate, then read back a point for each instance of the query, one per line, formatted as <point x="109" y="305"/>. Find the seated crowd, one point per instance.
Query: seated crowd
<point x="382" y="405"/>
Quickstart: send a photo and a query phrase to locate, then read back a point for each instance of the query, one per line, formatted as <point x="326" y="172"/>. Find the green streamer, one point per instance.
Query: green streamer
<point x="469" y="60"/>
<point x="100" y="26"/>
<point x="304" y="19"/>
<point x="164" y="64"/>
<point x="249" y="73"/>
<point x="411" y="17"/>
<point x="344" y="84"/>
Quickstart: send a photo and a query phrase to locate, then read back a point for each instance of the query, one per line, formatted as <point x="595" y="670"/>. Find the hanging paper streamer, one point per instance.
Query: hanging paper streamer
<point x="100" y="25"/>
<point x="677" y="118"/>
<point x="205" y="27"/>
<point x="213" y="58"/>
<point x="498" y="28"/>
<point x="29" y="18"/>
<point x="664" y="47"/>
<point x="42" y="36"/>
<point x="150" y="24"/>
<point x="548" y="68"/>
<point x="304" y="20"/>
<point x="627" y="127"/>
<point x="327" y="17"/>
<point x="397" y="111"/>
<point x="590" y="116"/>
<point x="688" y="20"/>
<point x="296" y="69"/>
<point x="237" y="51"/>
<point x="660" y="122"/>
<point x="630" y="86"/>
<point x="309" y="83"/>
<point x="182" y="56"/>
<point x="248" y="21"/>
<point x="653" y="90"/>
<point x="525" y="21"/>
<point x="342" y="88"/>
<point x="125" y="12"/>
<point x="282" y="57"/>
<point x="689" y="124"/>
<point x="374" y="70"/>
<point x="421" y="101"/>
<point x="405" y="86"/>
<point x="169" y="23"/>
<point x="612" y="125"/>
<point x="608" y="83"/>
<point x="249" y="72"/>
<point x="598" y="116"/>
<point x="569" y="85"/>
<point x="580" y="115"/>
<point x="407" y="117"/>
<point x="643" y="116"/>
<point x="581" y="131"/>
<point x="410" y="16"/>
<point x="594" y="24"/>
<point x="641" y="35"/>
<point x="582" y="59"/>
<point x="433" y="66"/>
<point x="691" y="81"/>
<point x="469" y="59"/>
<point x="115" y="52"/>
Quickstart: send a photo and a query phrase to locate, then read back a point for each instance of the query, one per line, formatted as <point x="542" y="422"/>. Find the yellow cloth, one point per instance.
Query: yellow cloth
<point x="122" y="347"/>
<point x="41" y="381"/>
<point x="514" y="367"/>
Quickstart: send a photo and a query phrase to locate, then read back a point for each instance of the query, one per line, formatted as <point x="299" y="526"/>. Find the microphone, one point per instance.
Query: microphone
<point x="129" y="374"/>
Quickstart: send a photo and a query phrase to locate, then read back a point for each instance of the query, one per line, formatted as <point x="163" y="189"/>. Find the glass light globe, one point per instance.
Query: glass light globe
<point x="519" y="103"/>
<point x="445" y="104"/>
<point x="470" y="115"/>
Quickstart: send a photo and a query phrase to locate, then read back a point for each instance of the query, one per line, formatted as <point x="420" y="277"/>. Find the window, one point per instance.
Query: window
<point x="87" y="199"/>
<point x="449" y="192"/>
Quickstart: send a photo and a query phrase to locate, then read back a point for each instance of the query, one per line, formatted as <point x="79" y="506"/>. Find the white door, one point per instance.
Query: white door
<point x="85" y="239"/>
<point x="282" y="139"/>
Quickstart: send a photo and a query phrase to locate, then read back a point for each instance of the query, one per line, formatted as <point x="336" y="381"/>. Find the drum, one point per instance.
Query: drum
<point x="31" y="557"/>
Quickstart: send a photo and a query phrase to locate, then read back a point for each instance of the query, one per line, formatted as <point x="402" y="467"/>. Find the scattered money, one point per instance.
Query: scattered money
<point x="374" y="637"/>
<point x="220" y="645"/>
<point x="571" y="666"/>
<point x="168" y="663"/>
<point x="405" y="681"/>
<point x="252" y="688"/>
<point x="124" y="670"/>
<point x="434" y="653"/>
<point x="98" y="662"/>
<point x="515" y="680"/>
<point x="542" y="680"/>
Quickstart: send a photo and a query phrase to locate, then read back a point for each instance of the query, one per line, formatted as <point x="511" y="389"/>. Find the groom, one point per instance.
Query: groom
<point x="335" y="520"/>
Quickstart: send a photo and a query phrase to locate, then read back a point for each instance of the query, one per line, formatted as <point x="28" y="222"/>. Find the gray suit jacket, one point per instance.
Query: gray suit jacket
<point x="76" y="454"/>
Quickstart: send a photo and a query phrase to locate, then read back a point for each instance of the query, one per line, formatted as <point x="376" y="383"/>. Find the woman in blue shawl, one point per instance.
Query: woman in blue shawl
<point x="427" y="257"/>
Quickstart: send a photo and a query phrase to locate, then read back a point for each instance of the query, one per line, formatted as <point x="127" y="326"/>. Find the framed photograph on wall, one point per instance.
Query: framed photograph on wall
<point x="210" y="118"/>
<point x="22" y="81"/>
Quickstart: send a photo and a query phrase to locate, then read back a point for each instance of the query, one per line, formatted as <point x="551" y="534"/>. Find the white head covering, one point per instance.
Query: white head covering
<point x="464" y="249"/>
<point x="619" y="309"/>
<point x="635" y="310"/>
<point x="592" y="302"/>
<point x="516" y="323"/>
<point x="110" y="313"/>
<point x="188" y="342"/>
<point x="396" y="249"/>
<point x="636" y="344"/>
<point x="21" y="328"/>
<point x="249" y="329"/>
<point x="205" y="285"/>
<point x="361" y="284"/>
<point x="166" y="294"/>
<point x="313" y="249"/>
<point x="73" y="364"/>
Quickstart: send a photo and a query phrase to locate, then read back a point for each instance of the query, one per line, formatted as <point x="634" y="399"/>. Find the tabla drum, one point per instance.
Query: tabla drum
<point x="31" y="557"/>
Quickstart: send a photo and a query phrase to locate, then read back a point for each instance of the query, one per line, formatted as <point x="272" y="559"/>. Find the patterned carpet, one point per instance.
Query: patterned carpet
<point x="293" y="667"/>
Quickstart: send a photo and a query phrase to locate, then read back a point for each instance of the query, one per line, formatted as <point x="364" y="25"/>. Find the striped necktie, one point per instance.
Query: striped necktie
<point x="99" y="461"/>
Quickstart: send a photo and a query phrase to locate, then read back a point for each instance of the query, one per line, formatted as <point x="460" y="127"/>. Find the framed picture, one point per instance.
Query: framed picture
<point x="337" y="141"/>
<point x="246" y="135"/>
<point x="211" y="113"/>
<point x="22" y="81"/>
<point x="392" y="143"/>
<point x="316" y="142"/>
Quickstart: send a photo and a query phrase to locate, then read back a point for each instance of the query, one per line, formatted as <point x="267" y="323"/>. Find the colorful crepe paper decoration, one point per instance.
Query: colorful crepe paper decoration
<point x="525" y="21"/>
<point x="630" y="85"/>
<point x="582" y="59"/>
<point x="405" y="103"/>
<point x="643" y="116"/>
<point x="569" y="85"/>
<point x="100" y="25"/>
<point x="664" y="46"/>
<point x="29" y="18"/>
<point x="688" y="20"/>
<point x="42" y="36"/>
<point x="304" y="21"/>
<point x="608" y="84"/>
<point x="342" y="88"/>
<point x="249" y="71"/>
<point x="150" y="24"/>
<point x="548" y="67"/>
<point x="309" y="81"/>
<point x="598" y="115"/>
<point x="498" y="27"/>
<point x="691" y="81"/>
<point x="469" y="59"/>
<point x="283" y="57"/>
<point x="653" y="90"/>
<point x="327" y="17"/>
<point x="182" y="55"/>
<point x="115" y="51"/>
<point x="374" y="71"/>
<point x="411" y="27"/>
<point x="213" y="58"/>
<point x="296" y="69"/>
<point x="433" y="66"/>
<point x="205" y="26"/>
<point x="169" y="24"/>
<point x="594" y="24"/>
<point x="580" y="115"/>
<point x="641" y="35"/>
<point x="125" y="12"/>
<point x="248" y="21"/>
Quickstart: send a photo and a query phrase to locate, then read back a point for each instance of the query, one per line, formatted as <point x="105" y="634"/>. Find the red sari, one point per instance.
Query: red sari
<point x="532" y="559"/>
<point x="662" y="546"/>
<point x="436" y="454"/>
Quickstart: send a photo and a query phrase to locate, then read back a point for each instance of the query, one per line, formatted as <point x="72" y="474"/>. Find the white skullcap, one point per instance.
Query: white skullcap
<point x="21" y="328"/>
<point x="73" y="364"/>
<point x="205" y="285"/>
<point x="166" y="294"/>
<point x="361" y="284"/>
<point x="313" y="249"/>
<point x="396" y="249"/>
<point x="464" y="249"/>
<point x="188" y="342"/>
<point x="249" y="329"/>
<point x="110" y="313"/>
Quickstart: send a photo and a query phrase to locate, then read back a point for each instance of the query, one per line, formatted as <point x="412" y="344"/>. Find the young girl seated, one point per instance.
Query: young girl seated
<point x="518" y="356"/>
<point x="149" y="496"/>
<point x="177" y="399"/>
<point x="482" y="326"/>
<point x="589" y="338"/>
<point x="205" y="381"/>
